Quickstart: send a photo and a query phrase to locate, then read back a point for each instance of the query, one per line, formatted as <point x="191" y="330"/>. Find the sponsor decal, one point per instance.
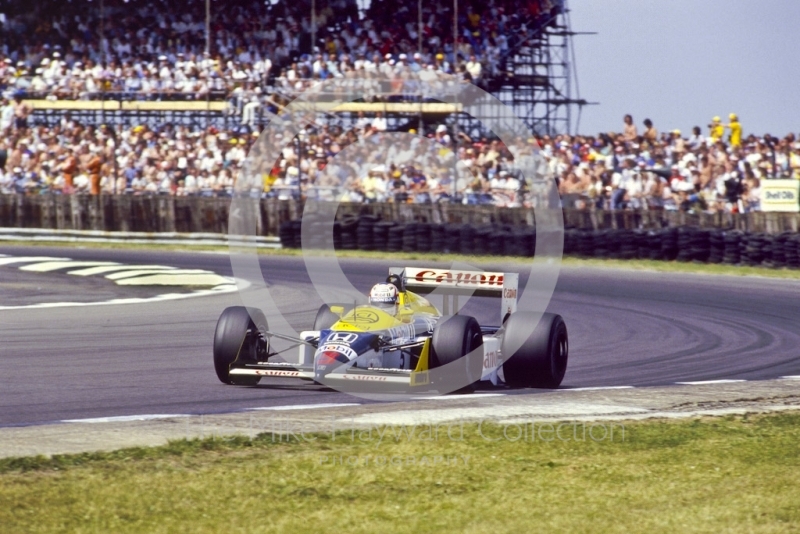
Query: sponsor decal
<point x="370" y="378"/>
<point x="270" y="372"/>
<point x="509" y="293"/>
<point x="460" y="278"/>
<point x="490" y="359"/>
<point x="367" y="316"/>
<point x="345" y="338"/>
<point x="341" y="349"/>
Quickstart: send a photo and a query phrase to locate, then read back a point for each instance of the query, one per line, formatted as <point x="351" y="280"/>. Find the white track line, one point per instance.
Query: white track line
<point x="111" y="268"/>
<point x="140" y="272"/>
<point x="29" y="259"/>
<point x="704" y="382"/>
<point x="48" y="266"/>
<point x="218" y="290"/>
<point x="791" y="377"/>
<point x="305" y="406"/>
<point x="461" y="397"/>
<point x="596" y="388"/>
<point x="127" y="418"/>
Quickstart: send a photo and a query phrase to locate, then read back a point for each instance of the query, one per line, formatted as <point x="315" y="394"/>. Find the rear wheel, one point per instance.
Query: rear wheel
<point x="457" y="338"/>
<point x="535" y="357"/>
<point x="237" y="339"/>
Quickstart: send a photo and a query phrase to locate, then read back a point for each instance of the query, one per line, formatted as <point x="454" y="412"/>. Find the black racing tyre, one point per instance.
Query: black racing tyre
<point x="326" y="318"/>
<point x="236" y="339"/>
<point x="541" y="359"/>
<point x="458" y="338"/>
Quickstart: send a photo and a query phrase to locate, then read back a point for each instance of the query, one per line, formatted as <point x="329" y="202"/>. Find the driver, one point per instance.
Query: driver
<point x="384" y="296"/>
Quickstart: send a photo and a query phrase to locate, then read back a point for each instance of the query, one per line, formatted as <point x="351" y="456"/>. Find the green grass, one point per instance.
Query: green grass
<point x="640" y="265"/>
<point x="734" y="474"/>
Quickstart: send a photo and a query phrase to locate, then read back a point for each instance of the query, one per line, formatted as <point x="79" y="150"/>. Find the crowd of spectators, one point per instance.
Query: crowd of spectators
<point x="157" y="49"/>
<point x="71" y="158"/>
<point x="713" y="169"/>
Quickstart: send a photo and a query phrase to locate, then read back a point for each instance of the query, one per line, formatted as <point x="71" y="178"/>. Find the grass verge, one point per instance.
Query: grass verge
<point x="567" y="261"/>
<point x="711" y="475"/>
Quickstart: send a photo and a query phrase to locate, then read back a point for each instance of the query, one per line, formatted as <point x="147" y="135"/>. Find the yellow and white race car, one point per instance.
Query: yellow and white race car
<point x="402" y="342"/>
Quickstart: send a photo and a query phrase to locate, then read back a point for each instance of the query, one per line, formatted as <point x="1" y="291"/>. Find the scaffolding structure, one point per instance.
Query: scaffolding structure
<point x="537" y="82"/>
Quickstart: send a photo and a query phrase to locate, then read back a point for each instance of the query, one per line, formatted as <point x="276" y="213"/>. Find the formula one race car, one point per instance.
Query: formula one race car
<point x="401" y="341"/>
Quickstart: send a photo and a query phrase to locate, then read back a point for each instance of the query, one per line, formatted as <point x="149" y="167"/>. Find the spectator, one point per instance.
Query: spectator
<point x="735" y="127"/>
<point x="630" y="133"/>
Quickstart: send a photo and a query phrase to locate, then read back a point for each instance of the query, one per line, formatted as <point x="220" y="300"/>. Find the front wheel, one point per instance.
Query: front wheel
<point x="535" y="357"/>
<point x="457" y="343"/>
<point x="237" y="339"/>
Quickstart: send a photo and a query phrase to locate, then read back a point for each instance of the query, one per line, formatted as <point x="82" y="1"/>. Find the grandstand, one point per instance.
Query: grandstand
<point x="231" y="64"/>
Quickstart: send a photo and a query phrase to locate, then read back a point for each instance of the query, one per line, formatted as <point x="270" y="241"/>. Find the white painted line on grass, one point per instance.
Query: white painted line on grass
<point x="596" y="388"/>
<point x="127" y="418"/>
<point x="704" y="382"/>
<point x="306" y="406"/>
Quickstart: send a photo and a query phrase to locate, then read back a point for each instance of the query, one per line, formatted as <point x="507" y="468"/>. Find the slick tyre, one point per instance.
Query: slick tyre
<point x="540" y="358"/>
<point x="236" y="339"/>
<point x="457" y="344"/>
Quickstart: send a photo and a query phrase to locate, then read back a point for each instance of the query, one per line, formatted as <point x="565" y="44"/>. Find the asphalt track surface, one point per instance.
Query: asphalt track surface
<point x="627" y="328"/>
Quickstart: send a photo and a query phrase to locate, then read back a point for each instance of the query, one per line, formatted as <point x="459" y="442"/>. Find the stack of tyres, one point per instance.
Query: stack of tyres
<point x="521" y="242"/>
<point x="286" y="234"/>
<point x="364" y="236"/>
<point x="410" y="238"/>
<point x="732" y="254"/>
<point x="571" y="241"/>
<point x="585" y="243"/>
<point x="496" y="241"/>
<point x="642" y="244"/>
<point x="792" y="251"/>
<point x="716" y="241"/>
<point x="753" y="251"/>
<point x="380" y="235"/>
<point x="452" y="241"/>
<point x="628" y="244"/>
<point x="685" y="242"/>
<point x="395" y="238"/>
<point x="467" y="239"/>
<point x="701" y="245"/>
<point x="438" y="237"/>
<point x="779" y="249"/>
<point x="613" y="243"/>
<point x="337" y="235"/>
<point x="423" y="237"/>
<point x="297" y="226"/>
<point x="766" y="250"/>
<point x="669" y="243"/>
<point x="600" y="241"/>
<point x="482" y="236"/>
<point x="349" y="228"/>
<point x="654" y="245"/>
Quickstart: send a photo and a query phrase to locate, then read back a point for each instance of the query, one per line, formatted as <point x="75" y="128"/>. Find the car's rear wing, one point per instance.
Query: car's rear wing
<point x="449" y="282"/>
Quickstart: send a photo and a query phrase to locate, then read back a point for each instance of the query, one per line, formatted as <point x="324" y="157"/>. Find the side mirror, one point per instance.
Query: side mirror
<point x="338" y="310"/>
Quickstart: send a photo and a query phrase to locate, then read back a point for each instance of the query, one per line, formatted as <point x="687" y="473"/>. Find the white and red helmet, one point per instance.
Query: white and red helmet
<point x="383" y="296"/>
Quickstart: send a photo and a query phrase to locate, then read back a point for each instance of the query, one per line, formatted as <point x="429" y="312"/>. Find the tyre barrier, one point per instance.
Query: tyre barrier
<point x="685" y="244"/>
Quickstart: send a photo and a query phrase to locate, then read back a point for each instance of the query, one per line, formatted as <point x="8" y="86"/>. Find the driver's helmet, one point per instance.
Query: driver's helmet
<point x="384" y="296"/>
